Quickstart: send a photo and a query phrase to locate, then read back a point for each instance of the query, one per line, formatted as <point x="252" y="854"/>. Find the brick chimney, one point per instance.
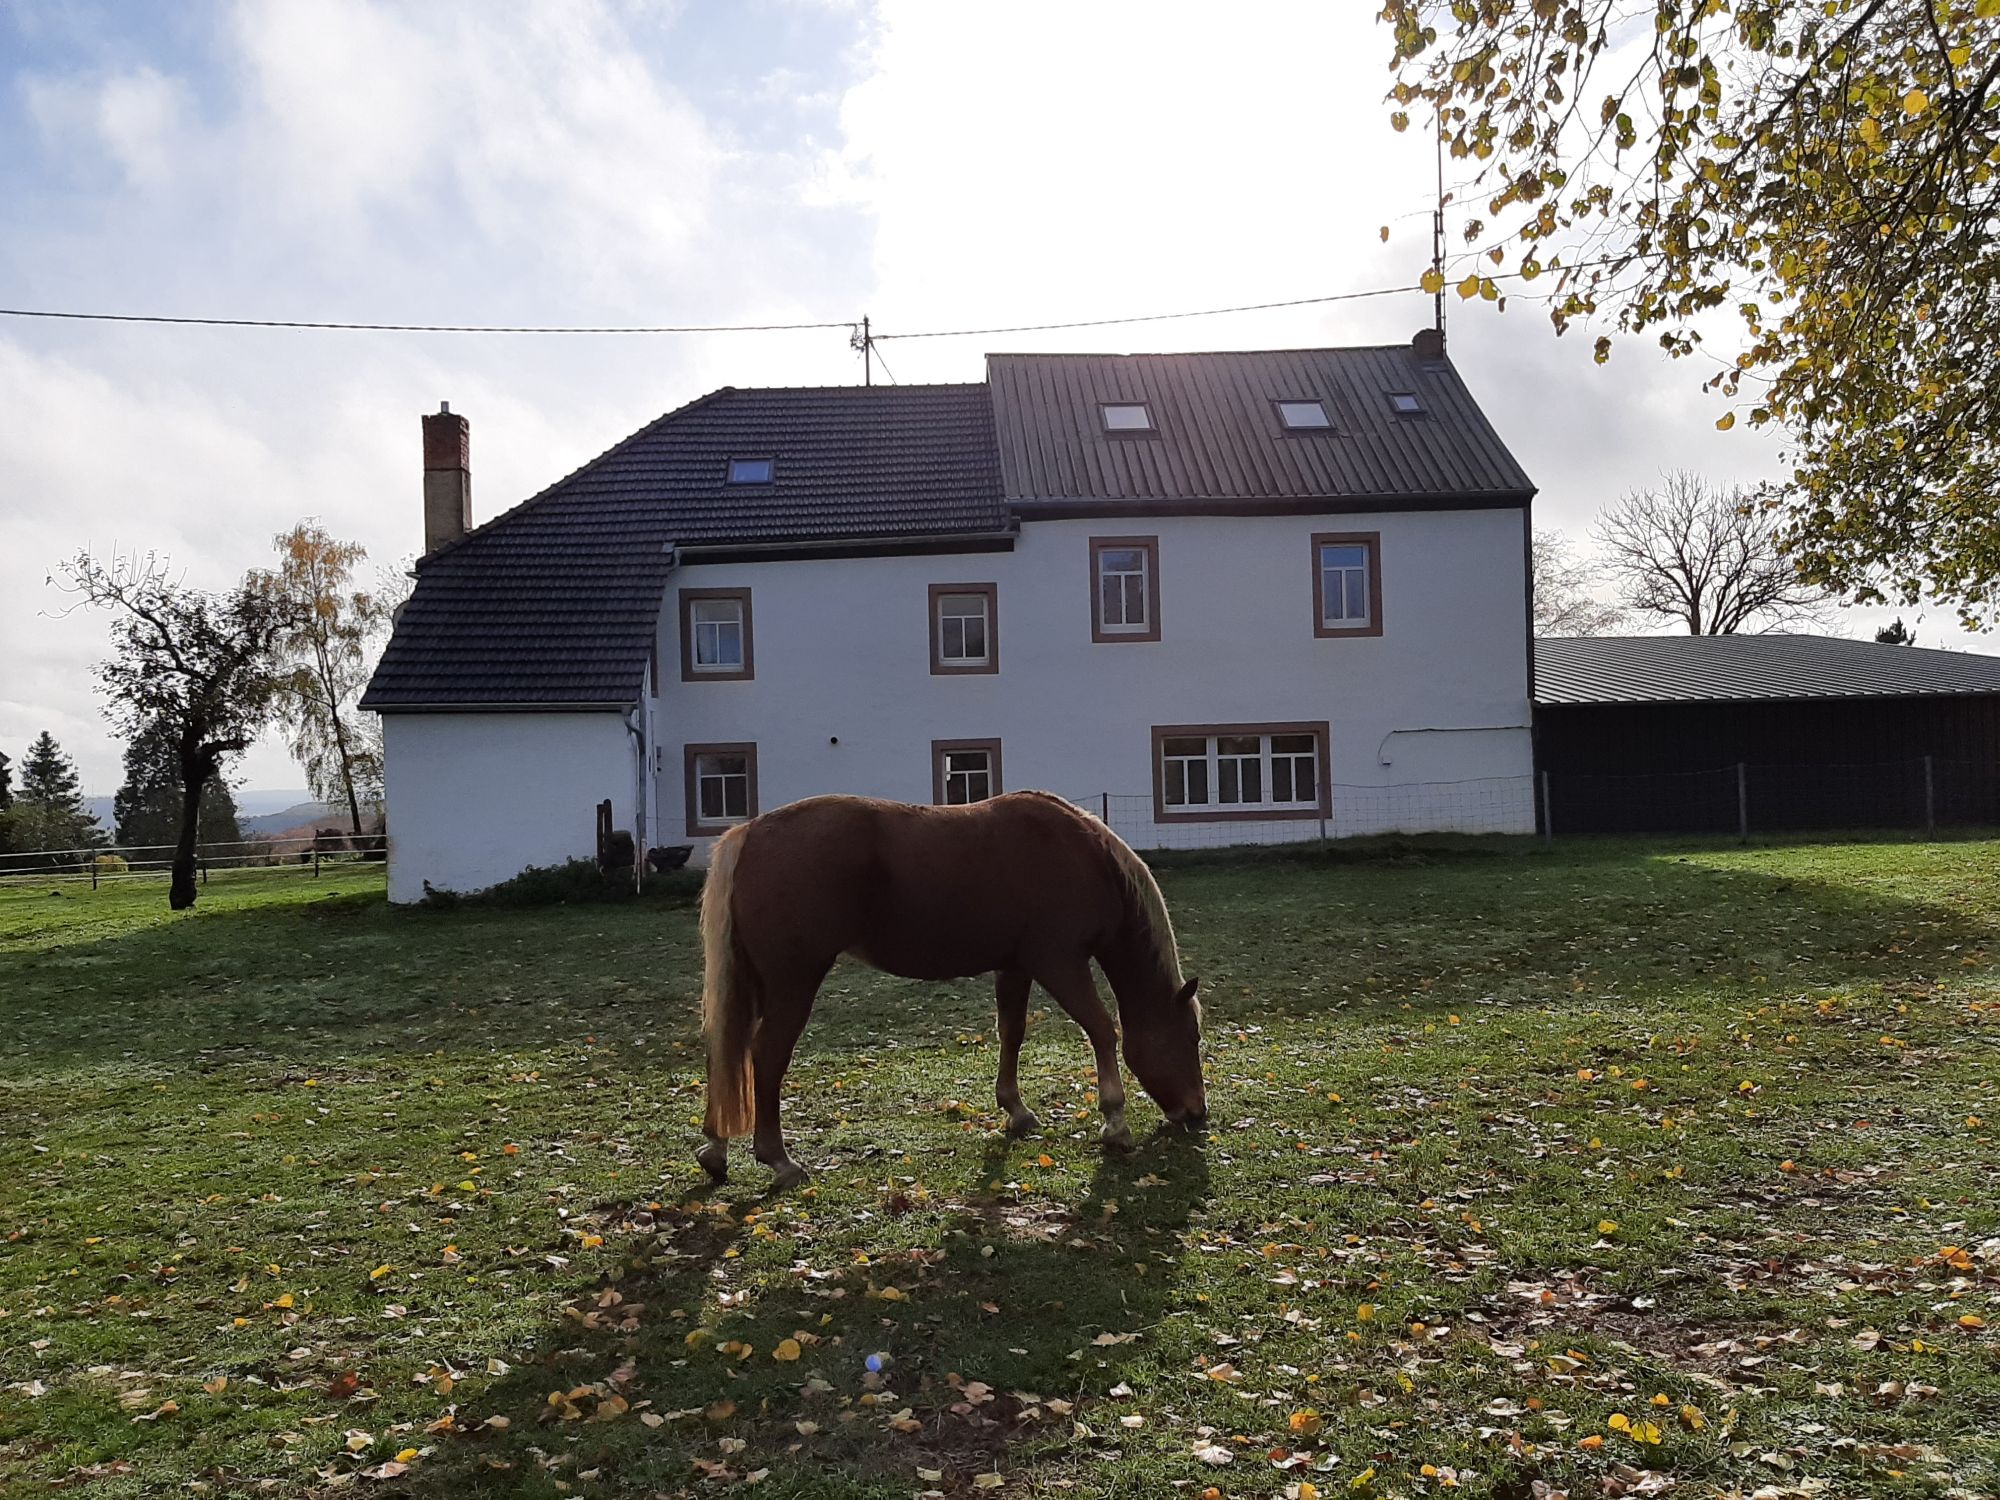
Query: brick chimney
<point x="1428" y="344"/>
<point x="447" y="477"/>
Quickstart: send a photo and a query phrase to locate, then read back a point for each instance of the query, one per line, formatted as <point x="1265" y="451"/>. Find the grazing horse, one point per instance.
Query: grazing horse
<point x="1022" y="886"/>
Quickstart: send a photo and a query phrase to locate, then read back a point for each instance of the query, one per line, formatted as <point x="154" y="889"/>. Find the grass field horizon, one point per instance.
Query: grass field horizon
<point x="1592" y="1169"/>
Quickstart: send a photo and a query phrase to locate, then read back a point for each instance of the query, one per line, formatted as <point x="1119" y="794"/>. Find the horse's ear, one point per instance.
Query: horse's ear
<point x="1186" y="996"/>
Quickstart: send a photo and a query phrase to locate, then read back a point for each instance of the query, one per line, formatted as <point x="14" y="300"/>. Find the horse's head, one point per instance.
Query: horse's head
<point x="1163" y="1049"/>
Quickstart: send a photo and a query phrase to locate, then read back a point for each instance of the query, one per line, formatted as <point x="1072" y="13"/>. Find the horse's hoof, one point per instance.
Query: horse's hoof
<point x="1024" y="1123"/>
<point x="1116" y="1140"/>
<point x="788" y="1174"/>
<point x="714" y="1159"/>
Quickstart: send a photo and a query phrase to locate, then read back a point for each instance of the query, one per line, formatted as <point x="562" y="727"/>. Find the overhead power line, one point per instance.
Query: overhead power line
<point x="1203" y="312"/>
<point x="847" y="323"/>
<point x="100" y="317"/>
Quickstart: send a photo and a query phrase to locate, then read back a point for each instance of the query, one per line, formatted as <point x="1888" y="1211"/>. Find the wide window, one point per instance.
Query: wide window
<point x="715" y="635"/>
<point x="750" y="470"/>
<point x="1224" y="771"/>
<point x="1125" y="588"/>
<point x="1347" y="583"/>
<point x="964" y="771"/>
<point x="965" y="627"/>
<point x="721" y="787"/>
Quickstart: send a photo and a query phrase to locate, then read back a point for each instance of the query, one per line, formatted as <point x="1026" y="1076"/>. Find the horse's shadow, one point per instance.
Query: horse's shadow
<point x="985" y="1319"/>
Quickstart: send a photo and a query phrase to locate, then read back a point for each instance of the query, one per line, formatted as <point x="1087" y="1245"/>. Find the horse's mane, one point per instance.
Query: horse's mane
<point x="1148" y="906"/>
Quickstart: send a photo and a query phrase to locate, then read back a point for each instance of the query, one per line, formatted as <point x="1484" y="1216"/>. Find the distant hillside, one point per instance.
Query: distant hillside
<point x="257" y="812"/>
<point x="255" y="804"/>
<point x="307" y="814"/>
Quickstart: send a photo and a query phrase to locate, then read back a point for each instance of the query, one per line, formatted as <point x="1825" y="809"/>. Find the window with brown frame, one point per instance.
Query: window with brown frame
<point x="1124" y="588"/>
<point x="721" y="787"/>
<point x="964" y="771"/>
<point x="965" y="628"/>
<point x="1347" y="583"/>
<point x="1216" y="773"/>
<point x="717" y="643"/>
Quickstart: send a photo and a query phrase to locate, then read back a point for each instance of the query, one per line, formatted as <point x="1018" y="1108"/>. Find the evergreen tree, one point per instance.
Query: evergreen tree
<point x="148" y="805"/>
<point x="1897" y="634"/>
<point x="49" y="811"/>
<point x="6" y="782"/>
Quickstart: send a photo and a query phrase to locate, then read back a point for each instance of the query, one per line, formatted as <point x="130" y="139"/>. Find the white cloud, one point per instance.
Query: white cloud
<point x="137" y="118"/>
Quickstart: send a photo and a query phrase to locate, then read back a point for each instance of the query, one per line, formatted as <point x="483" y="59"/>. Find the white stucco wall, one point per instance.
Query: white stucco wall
<point x="844" y="699"/>
<point x="474" y="799"/>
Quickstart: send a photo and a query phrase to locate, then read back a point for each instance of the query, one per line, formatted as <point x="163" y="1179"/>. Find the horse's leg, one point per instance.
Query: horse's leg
<point x="1076" y="992"/>
<point x="1010" y="990"/>
<point x="786" y="1007"/>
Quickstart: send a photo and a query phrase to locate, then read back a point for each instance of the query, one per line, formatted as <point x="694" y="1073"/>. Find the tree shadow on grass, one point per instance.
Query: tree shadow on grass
<point x="1616" y="923"/>
<point x="958" y="1333"/>
<point x="349" y="978"/>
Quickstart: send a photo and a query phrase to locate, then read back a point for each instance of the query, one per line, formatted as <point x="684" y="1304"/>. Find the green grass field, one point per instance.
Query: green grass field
<point x="1598" y="1170"/>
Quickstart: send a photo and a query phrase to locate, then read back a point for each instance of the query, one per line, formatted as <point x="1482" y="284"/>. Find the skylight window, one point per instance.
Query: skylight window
<point x="749" y="471"/>
<point x="1304" y="416"/>
<point x="1405" y="404"/>
<point x="1127" y="416"/>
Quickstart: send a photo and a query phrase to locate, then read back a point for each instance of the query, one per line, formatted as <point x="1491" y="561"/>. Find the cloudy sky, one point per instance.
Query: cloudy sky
<point x="592" y="161"/>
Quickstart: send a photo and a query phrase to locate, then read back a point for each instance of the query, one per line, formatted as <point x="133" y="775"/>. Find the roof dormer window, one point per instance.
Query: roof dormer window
<point x="1127" y="417"/>
<point x="1304" y="416"/>
<point x="1405" y="404"/>
<point x="750" y="470"/>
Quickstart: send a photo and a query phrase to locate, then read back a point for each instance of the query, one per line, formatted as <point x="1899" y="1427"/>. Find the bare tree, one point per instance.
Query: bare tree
<point x="1707" y="557"/>
<point x="1564" y="603"/>
<point x="199" y="669"/>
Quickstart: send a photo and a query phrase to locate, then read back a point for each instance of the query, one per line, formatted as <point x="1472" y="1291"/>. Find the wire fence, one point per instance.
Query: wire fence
<point x="106" y="865"/>
<point x="1924" y="792"/>
<point x="1492" y="804"/>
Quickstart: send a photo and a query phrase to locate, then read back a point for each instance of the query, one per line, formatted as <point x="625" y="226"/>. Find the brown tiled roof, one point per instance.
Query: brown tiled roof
<point x="1218" y="438"/>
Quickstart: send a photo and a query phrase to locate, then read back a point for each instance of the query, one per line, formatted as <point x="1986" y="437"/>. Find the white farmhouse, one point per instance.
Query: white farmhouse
<point x="1216" y="598"/>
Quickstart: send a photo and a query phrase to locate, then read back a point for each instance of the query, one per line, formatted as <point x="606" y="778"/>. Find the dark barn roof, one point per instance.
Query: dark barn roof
<point x="1218" y="434"/>
<point x="556" y="602"/>
<point x="1719" y="668"/>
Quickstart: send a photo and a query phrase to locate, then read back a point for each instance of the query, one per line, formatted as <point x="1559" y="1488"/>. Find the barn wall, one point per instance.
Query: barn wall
<point x="474" y="799"/>
<point x="843" y="699"/>
<point x="1808" y="764"/>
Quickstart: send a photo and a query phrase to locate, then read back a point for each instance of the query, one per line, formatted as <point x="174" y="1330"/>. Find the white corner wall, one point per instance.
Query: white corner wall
<point x="476" y="798"/>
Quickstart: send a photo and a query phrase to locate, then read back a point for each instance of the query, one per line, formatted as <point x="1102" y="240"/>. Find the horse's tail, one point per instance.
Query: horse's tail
<point x="728" y="997"/>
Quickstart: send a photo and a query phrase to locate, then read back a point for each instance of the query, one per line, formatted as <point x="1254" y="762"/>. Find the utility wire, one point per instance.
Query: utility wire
<point x="934" y="333"/>
<point x="851" y="324"/>
<point x="1204" y="312"/>
<point x="99" y="317"/>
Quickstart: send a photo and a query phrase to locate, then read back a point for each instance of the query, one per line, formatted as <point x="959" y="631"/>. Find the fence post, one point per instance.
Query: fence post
<point x="1930" y="798"/>
<point x="1105" y="812"/>
<point x="1742" y="802"/>
<point x="315" y="859"/>
<point x="1548" y="821"/>
<point x="93" y="872"/>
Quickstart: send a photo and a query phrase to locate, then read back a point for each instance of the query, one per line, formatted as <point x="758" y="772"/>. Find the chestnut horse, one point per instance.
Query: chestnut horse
<point x="1022" y="886"/>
